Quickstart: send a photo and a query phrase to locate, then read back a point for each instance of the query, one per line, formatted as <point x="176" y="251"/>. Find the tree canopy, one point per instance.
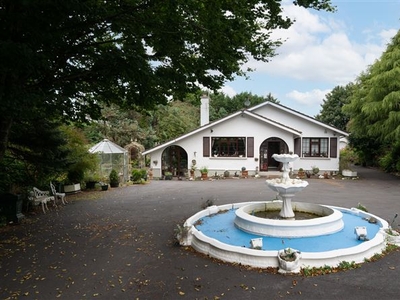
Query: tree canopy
<point x="331" y="109"/>
<point x="374" y="109"/>
<point x="63" y="59"/>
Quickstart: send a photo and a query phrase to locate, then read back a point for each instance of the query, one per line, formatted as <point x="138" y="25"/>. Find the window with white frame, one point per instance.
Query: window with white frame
<point x="315" y="147"/>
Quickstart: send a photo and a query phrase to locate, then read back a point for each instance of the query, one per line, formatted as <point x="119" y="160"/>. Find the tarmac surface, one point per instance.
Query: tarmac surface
<point x="119" y="244"/>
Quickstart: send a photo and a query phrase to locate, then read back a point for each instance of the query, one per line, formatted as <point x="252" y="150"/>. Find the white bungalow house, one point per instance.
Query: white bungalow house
<point x="249" y="138"/>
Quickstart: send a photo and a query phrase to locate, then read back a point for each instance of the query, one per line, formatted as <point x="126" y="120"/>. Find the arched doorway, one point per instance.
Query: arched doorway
<point x="268" y="148"/>
<point x="174" y="160"/>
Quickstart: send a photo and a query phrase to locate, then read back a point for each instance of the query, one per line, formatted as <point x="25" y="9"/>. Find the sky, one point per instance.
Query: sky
<point x="322" y="50"/>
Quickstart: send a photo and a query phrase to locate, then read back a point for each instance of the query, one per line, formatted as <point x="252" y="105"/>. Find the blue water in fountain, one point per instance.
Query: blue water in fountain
<point x="222" y="228"/>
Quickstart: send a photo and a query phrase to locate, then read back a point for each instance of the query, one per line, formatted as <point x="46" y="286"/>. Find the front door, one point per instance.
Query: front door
<point x="273" y="148"/>
<point x="174" y="160"/>
<point x="268" y="148"/>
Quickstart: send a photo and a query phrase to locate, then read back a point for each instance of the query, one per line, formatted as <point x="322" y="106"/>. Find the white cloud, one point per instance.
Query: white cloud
<point x="318" y="49"/>
<point x="228" y="90"/>
<point x="310" y="98"/>
<point x="322" y="50"/>
<point x="387" y="35"/>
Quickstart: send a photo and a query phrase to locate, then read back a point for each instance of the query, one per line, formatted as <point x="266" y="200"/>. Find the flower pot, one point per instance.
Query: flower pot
<point x="204" y="175"/>
<point x="90" y="184"/>
<point x="349" y="173"/>
<point x="114" y="184"/>
<point x="72" y="188"/>
<point x="289" y="263"/>
<point x="245" y="174"/>
<point x="104" y="187"/>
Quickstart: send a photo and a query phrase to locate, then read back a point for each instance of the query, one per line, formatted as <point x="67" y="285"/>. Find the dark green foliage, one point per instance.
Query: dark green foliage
<point x="114" y="177"/>
<point x="390" y="160"/>
<point x="138" y="174"/>
<point x="348" y="157"/>
<point x="36" y="154"/>
<point x="222" y="105"/>
<point x="65" y="59"/>
<point x="374" y="109"/>
<point x="78" y="160"/>
<point x="331" y="112"/>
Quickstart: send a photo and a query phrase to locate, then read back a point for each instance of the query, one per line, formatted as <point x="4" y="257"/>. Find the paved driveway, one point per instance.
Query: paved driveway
<point x="119" y="245"/>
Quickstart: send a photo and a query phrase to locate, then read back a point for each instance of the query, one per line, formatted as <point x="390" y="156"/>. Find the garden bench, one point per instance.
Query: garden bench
<point x="41" y="197"/>
<point x="56" y="195"/>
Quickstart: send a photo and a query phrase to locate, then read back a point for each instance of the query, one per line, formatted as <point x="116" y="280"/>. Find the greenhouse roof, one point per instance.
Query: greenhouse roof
<point x="106" y="146"/>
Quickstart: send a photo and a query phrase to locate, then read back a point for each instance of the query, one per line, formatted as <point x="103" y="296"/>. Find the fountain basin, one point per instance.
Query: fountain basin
<point x="330" y="220"/>
<point x="291" y="187"/>
<point x="241" y="254"/>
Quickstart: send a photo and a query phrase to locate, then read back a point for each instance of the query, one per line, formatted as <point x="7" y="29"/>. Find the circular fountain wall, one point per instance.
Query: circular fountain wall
<point x="330" y="220"/>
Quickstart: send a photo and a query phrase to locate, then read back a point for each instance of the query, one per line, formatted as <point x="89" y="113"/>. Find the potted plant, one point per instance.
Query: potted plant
<point x="103" y="185"/>
<point x="226" y="173"/>
<point x="74" y="178"/>
<point x="245" y="173"/>
<point x="168" y="175"/>
<point x="347" y="158"/>
<point x="192" y="170"/>
<point x="204" y="172"/>
<point x="315" y="170"/>
<point x="289" y="260"/>
<point x="393" y="235"/>
<point x="91" y="178"/>
<point x="301" y="173"/>
<point x="114" y="179"/>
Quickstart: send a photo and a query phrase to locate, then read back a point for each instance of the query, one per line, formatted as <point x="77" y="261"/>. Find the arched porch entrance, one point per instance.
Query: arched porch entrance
<point x="268" y="148"/>
<point x="175" y="160"/>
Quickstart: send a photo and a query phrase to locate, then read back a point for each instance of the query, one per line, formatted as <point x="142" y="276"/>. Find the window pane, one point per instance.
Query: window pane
<point x="324" y="147"/>
<point x="306" y="147"/>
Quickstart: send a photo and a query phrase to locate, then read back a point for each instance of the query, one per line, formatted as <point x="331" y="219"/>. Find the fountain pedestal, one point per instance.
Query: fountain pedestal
<point x="287" y="210"/>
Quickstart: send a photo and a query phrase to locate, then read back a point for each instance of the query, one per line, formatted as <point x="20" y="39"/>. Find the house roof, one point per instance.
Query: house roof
<point x="250" y="112"/>
<point x="299" y="114"/>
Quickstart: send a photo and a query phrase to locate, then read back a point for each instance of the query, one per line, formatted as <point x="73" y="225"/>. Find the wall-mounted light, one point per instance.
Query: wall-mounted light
<point x="211" y="130"/>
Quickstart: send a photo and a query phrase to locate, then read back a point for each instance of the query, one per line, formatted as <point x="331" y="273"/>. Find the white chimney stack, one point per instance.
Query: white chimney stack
<point x="204" y="110"/>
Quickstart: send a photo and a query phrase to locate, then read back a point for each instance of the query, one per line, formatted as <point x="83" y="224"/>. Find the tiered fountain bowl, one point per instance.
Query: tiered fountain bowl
<point x="327" y="221"/>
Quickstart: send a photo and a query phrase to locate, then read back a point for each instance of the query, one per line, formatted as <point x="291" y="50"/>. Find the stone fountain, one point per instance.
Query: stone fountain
<point x="286" y="187"/>
<point x="329" y="220"/>
<point x="260" y="232"/>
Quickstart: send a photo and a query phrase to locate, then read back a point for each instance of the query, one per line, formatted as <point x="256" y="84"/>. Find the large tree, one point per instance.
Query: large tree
<point x="222" y="105"/>
<point x="331" y="112"/>
<point x="374" y="108"/>
<point x="63" y="58"/>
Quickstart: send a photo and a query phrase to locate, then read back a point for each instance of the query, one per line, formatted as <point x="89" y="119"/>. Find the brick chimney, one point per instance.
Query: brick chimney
<point x="204" y="110"/>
